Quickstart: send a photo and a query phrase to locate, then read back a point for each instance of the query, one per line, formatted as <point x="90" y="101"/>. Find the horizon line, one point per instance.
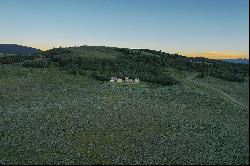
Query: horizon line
<point x="205" y="54"/>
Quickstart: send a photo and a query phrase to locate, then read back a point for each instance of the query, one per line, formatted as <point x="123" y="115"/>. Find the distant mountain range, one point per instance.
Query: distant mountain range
<point x="240" y="60"/>
<point x="17" y="49"/>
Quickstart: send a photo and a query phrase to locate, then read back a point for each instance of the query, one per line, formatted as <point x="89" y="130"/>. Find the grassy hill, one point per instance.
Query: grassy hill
<point x="57" y="109"/>
<point x="149" y="65"/>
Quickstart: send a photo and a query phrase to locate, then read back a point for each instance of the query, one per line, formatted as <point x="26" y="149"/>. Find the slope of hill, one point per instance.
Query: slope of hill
<point x="50" y="116"/>
<point x="149" y="65"/>
<point x="60" y="107"/>
<point x="17" y="49"/>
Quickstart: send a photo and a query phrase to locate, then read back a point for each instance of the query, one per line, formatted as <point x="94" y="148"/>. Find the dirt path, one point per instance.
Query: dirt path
<point x="225" y="95"/>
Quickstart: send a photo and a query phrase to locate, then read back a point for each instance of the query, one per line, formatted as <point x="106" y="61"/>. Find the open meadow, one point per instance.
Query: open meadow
<point x="48" y="116"/>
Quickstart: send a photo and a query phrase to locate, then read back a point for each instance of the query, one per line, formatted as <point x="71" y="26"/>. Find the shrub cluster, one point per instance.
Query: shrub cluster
<point x="38" y="63"/>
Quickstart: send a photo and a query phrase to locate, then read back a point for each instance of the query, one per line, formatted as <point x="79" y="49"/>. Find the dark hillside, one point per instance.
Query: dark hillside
<point x="149" y="65"/>
<point x="243" y="61"/>
<point x="17" y="49"/>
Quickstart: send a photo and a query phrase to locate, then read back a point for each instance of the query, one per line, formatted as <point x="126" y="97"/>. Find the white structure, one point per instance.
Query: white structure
<point x="137" y="80"/>
<point x="119" y="80"/>
<point x="126" y="80"/>
<point x="130" y="81"/>
<point x="113" y="79"/>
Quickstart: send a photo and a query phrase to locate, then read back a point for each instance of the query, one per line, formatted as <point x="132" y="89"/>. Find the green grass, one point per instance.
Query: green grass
<point x="48" y="116"/>
<point x="239" y="91"/>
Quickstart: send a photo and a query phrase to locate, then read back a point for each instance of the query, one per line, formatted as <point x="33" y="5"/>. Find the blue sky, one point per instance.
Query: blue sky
<point x="190" y="27"/>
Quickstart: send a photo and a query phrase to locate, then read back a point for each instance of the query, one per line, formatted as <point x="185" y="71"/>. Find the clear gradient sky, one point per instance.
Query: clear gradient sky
<point x="210" y="28"/>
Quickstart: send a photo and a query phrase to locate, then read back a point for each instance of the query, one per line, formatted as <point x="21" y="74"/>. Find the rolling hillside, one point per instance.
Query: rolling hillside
<point x="150" y="65"/>
<point x="59" y="107"/>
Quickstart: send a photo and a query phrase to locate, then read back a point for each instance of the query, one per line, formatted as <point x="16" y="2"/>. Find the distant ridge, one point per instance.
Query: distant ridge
<point x="240" y="60"/>
<point x="17" y="49"/>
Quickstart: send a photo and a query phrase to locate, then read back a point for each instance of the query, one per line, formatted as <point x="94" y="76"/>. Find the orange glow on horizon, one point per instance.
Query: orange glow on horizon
<point x="217" y="55"/>
<point x="44" y="48"/>
<point x="210" y="54"/>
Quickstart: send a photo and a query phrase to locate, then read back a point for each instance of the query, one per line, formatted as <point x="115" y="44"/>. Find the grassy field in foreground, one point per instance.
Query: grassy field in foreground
<point x="239" y="91"/>
<point x="50" y="117"/>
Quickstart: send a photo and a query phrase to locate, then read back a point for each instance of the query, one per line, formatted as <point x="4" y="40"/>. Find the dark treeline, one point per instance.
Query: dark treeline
<point x="38" y="63"/>
<point x="208" y="67"/>
<point x="15" y="59"/>
<point x="148" y="65"/>
<point x="224" y="70"/>
<point x="132" y="65"/>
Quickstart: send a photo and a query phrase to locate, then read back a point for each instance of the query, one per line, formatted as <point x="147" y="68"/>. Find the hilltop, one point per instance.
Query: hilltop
<point x="150" y="65"/>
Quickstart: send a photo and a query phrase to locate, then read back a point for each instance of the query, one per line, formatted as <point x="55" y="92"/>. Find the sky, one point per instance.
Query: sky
<point x="209" y="28"/>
